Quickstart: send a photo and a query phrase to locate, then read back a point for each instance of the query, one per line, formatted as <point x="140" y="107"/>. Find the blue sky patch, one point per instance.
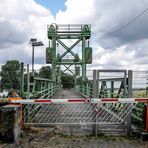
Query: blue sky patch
<point x="53" y="5"/>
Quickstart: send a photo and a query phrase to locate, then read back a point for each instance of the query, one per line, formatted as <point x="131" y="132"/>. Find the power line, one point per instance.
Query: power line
<point x="129" y="23"/>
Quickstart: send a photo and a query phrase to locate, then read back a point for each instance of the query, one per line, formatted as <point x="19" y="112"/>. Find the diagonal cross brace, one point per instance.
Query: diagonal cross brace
<point x="69" y="50"/>
<point x="67" y="68"/>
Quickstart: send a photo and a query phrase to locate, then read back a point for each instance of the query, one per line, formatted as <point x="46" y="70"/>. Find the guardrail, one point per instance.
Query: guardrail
<point x="44" y="88"/>
<point x="85" y="89"/>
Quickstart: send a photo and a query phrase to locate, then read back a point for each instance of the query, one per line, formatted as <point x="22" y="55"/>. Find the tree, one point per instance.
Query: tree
<point x="67" y="80"/>
<point x="11" y="75"/>
<point x="79" y="80"/>
<point x="45" y="72"/>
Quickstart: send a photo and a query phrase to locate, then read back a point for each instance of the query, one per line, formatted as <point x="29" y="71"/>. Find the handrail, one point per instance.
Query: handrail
<point x="43" y="79"/>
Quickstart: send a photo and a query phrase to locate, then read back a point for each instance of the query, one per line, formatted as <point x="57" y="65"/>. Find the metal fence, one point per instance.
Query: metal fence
<point x="44" y="88"/>
<point x="139" y="84"/>
<point x="115" y="84"/>
<point x="38" y="87"/>
<point x="75" y="111"/>
<point x="119" y="84"/>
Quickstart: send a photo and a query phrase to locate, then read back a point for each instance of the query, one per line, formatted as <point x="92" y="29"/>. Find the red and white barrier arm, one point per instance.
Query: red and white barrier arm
<point x="92" y="100"/>
<point x="47" y="101"/>
<point x="119" y="100"/>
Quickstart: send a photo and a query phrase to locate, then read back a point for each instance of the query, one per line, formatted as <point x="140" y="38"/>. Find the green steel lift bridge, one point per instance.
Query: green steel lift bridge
<point x="79" y="34"/>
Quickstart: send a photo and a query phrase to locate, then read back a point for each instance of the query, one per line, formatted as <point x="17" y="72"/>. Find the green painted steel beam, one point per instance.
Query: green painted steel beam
<point x="22" y="79"/>
<point x="83" y="60"/>
<point x="54" y="58"/>
<point x="69" y="63"/>
<point x="78" y="32"/>
<point x="68" y="37"/>
<point x="69" y="49"/>
<point x="68" y="68"/>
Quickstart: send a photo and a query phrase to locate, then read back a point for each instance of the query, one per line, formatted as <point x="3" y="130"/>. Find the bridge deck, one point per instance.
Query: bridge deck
<point x="67" y="94"/>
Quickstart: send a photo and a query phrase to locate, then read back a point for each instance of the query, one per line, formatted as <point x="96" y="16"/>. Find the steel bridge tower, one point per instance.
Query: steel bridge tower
<point x="79" y="34"/>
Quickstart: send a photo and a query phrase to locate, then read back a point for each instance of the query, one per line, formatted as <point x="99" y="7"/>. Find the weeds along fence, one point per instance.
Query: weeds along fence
<point x="139" y="90"/>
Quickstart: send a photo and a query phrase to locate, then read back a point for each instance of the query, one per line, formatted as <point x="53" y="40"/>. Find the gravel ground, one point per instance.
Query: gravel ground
<point x="45" y="138"/>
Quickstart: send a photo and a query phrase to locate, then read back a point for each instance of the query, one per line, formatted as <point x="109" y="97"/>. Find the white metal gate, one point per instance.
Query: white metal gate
<point x="76" y="111"/>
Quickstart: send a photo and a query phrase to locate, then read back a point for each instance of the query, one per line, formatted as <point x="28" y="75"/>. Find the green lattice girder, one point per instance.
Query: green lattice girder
<point x="79" y="33"/>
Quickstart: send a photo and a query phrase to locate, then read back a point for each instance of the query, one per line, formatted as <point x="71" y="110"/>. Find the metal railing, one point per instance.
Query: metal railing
<point x="37" y="87"/>
<point x="139" y="90"/>
<point x="64" y="28"/>
<point x="44" y="88"/>
<point x="117" y="84"/>
<point x="85" y="89"/>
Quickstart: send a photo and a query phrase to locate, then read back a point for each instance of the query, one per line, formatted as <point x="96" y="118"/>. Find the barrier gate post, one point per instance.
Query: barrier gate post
<point x="95" y="91"/>
<point x="146" y="121"/>
<point x="130" y="73"/>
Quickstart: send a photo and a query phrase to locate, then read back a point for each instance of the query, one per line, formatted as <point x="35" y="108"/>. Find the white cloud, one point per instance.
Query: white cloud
<point x="114" y="15"/>
<point x="19" y="22"/>
<point x="77" y="11"/>
<point x="124" y="49"/>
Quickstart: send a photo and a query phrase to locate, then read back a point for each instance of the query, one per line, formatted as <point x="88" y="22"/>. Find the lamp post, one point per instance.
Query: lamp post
<point x="34" y="42"/>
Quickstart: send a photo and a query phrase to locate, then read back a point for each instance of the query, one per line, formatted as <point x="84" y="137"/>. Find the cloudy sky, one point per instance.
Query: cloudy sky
<point x="115" y="44"/>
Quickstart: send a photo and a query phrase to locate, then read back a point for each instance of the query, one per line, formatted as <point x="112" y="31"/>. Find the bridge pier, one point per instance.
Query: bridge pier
<point x="10" y="123"/>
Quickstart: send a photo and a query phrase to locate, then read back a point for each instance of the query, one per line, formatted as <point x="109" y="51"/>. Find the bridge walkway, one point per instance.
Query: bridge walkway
<point x="67" y="94"/>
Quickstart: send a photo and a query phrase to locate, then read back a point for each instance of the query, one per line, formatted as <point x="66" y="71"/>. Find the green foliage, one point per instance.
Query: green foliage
<point x="67" y="80"/>
<point x="11" y="75"/>
<point x="139" y="93"/>
<point x="79" y="80"/>
<point x="45" y="72"/>
<point x="139" y="111"/>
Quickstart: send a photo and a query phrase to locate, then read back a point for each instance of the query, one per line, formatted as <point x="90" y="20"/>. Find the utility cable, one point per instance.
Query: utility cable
<point x="124" y="26"/>
<point x="130" y="22"/>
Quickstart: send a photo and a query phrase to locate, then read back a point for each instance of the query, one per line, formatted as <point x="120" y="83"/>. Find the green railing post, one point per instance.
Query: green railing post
<point x="94" y="94"/>
<point x="22" y="79"/>
<point x="28" y="81"/>
<point x="112" y="89"/>
<point x="49" y="89"/>
<point x="87" y="89"/>
<point x="52" y="87"/>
